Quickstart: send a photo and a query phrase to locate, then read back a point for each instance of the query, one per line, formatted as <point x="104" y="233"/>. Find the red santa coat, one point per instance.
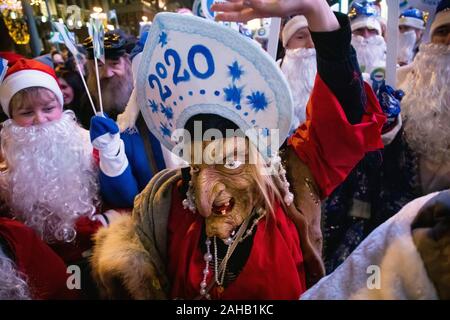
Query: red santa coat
<point x="331" y="147"/>
<point x="45" y="271"/>
<point x="80" y="248"/>
<point x="86" y="228"/>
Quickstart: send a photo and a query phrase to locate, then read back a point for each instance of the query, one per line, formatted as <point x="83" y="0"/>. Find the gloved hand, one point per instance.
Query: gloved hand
<point x="389" y="100"/>
<point x="390" y="103"/>
<point x="105" y="136"/>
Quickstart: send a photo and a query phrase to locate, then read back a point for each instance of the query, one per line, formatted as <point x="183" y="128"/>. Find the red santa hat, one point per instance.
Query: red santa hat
<point x="26" y="73"/>
<point x="11" y="56"/>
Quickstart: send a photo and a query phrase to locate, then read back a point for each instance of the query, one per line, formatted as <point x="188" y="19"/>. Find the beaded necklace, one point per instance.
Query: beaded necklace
<point x="231" y="242"/>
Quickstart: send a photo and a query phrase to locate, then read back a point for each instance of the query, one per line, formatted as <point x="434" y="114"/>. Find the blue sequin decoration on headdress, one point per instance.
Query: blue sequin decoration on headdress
<point x="413" y="13"/>
<point x="364" y="8"/>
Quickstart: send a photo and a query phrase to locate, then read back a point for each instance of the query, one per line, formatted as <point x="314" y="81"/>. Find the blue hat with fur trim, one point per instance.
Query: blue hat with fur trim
<point x="364" y="14"/>
<point x="412" y="17"/>
<point x="192" y="66"/>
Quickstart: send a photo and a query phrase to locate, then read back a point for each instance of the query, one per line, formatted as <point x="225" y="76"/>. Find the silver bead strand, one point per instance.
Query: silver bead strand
<point x="208" y="258"/>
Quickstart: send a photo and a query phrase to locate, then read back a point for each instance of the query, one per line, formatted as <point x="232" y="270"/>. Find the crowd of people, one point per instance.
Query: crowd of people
<point x="356" y="173"/>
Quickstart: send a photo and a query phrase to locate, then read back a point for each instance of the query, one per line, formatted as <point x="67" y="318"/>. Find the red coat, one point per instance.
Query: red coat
<point x="274" y="269"/>
<point x="81" y="247"/>
<point x="331" y="146"/>
<point x="45" y="271"/>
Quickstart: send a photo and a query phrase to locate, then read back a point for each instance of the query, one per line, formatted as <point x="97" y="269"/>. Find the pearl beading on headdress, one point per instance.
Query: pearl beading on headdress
<point x="189" y="202"/>
<point x="280" y="179"/>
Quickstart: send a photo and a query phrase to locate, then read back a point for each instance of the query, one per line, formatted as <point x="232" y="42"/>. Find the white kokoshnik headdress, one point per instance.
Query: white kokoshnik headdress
<point x="193" y="66"/>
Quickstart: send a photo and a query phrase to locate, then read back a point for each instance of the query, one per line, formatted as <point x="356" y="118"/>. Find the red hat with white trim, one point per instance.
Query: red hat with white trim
<point x="26" y="73"/>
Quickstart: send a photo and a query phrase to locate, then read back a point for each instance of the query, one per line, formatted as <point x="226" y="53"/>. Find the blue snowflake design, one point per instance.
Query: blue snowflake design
<point x="257" y="101"/>
<point x="153" y="105"/>
<point x="165" y="130"/>
<point x="235" y="71"/>
<point x="163" y="39"/>
<point x="265" y="132"/>
<point x="233" y="94"/>
<point x="167" y="111"/>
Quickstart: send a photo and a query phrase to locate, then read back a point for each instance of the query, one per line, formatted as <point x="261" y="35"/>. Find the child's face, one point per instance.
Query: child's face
<point x="44" y="108"/>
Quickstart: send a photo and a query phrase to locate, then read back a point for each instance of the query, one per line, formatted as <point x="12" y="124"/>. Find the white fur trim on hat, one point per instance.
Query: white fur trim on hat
<point x="291" y="27"/>
<point x="127" y="119"/>
<point x="442" y="18"/>
<point x="366" y="22"/>
<point x="212" y="70"/>
<point x="135" y="65"/>
<point x="411" y="22"/>
<point x="26" y="79"/>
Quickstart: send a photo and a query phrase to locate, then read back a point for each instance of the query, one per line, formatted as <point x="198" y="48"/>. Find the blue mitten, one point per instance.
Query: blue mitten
<point x="105" y="137"/>
<point x="104" y="134"/>
<point x="389" y="100"/>
<point x="390" y="104"/>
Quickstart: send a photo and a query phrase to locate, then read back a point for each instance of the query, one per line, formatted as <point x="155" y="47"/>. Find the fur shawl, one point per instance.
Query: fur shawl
<point x="129" y="257"/>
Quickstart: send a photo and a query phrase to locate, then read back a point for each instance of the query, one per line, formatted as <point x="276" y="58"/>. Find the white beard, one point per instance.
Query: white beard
<point x="426" y="105"/>
<point x="12" y="284"/>
<point x="371" y="52"/>
<point x="51" y="178"/>
<point x="300" y="68"/>
<point x="406" y="45"/>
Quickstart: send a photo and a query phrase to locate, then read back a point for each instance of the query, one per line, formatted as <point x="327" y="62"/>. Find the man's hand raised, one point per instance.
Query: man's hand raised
<point x="317" y="12"/>
<point x="245" y="10"/>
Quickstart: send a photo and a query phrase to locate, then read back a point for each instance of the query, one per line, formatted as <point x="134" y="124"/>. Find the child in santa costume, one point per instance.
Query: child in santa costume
<point x="49" y="179"/>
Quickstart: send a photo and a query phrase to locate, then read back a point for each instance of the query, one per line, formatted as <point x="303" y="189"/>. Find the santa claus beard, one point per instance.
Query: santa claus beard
<point x="12" y="285"/>
<point x="116" y="90"/>
<point x="371" y="52"/>
<point x="406" y="44"/>
<point x="300" y="68"/>
<point x="51" y="178"/>
<point x="426" y="106"/>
